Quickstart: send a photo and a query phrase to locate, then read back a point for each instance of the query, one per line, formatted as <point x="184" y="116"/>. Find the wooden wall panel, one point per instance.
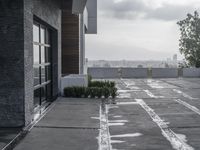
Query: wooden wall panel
<point x="70" y="43"/>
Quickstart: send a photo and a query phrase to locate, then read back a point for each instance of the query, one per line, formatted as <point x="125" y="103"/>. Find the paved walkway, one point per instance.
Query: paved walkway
<point x="150" y="114"/>
<point x="71" y="124"/>
<point x="156" y="114"/>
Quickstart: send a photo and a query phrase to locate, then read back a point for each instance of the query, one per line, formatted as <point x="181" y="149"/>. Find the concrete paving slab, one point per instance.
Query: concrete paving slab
<point x="59" y="139"/>
<point x="72" y="114"/>
<point x="147" y="134"/>
<point x="182" y="120"/>
<point x="166" y="93"/>
<point x="191" y="135"/>
<point x="182" y="83"/>
<point x="168" y="106"/>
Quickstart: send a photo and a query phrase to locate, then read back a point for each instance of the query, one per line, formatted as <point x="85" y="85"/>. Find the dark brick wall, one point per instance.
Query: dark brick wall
<point x="16" y="56"/>
<point x="11" y="63"/>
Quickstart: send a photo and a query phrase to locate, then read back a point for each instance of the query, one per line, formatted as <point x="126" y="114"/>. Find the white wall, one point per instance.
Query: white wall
<point x="134" y="72"/>
<point x="191" y="72"/>
<point x="164" y="72"/>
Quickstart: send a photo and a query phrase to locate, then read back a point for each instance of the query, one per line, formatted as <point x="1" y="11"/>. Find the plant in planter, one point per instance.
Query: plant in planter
<point x="113" y="92"/>
<point x="79" y="91"/>
<point x="92" y="92"/>
<point x="69" y="92"/>
<point x="86" y="92"/>
<point x="112" y="84"/>
<point x="106" y="92"/>
<point x="99" y="93"/>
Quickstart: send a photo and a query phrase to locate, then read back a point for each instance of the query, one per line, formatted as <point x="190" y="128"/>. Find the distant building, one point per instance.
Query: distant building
<point x="175" y="57"/>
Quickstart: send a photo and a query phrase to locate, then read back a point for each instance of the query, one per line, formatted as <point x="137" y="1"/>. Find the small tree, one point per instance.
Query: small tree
<point x="189" y="43"/>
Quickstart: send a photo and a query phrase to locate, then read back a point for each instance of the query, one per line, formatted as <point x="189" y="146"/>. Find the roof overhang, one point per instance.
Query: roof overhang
<point x="78" y="6"/>
<point x="92" y="16"/>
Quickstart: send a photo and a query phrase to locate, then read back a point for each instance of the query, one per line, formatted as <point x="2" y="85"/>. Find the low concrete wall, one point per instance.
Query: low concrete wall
<point x="134" y="72"/>
<point x="164" y="72"/>
<point x="191" y="72"/>
<point x="73" y="80"/>
<point x="103" y="73"/>
<point x="106" y="73"/>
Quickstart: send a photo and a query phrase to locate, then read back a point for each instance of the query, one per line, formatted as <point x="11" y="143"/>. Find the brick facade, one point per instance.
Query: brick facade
<point x="16" y="56"/>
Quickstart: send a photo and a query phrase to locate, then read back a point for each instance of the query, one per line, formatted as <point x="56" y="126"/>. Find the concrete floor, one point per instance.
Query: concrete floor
<point x="150" y="114"/>
<point x="156" y="114"/>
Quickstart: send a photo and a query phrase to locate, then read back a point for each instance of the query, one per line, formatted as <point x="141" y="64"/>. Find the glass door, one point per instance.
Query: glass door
<point x="42" y="64"/>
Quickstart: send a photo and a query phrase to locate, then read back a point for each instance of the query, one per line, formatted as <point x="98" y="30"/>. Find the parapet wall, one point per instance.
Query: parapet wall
<point x="107" y="73"/>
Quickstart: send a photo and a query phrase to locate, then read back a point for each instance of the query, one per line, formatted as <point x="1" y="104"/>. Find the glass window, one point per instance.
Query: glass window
<point x="42" y="54"/>
<point x="42" y="70"/>
<point x="43" y="93"/>
<point x="43" y="75"/>
<point x="48" y="90"/>
<point x="36" y="54"/>
<point x="36" y="33"/>
<point x="47" y="37"/>
<point x="37" y="97"/>
<point x="47" y="49"/>
<point x="42" y="35"/>
<point x="36" y="75"/>
<point x="48" y="73"/>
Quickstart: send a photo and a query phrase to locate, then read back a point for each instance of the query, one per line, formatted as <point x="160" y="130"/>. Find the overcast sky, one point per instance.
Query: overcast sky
<point x="138" y="29"/>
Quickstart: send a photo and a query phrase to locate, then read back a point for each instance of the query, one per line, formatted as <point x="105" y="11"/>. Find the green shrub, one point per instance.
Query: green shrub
<point x="113" y="92"/>
<point x="93" y="92"/>
<point x="112" y="84"/>
<point x="69" y="92"/>
<point x="95" y="89"/>
<point x="87" y="92"/>
<point x="79" y="91"/>
<point x="106" y="92"/>
<point x="89" y="79"/>
<point x="101" y="84"/>
<point x="99" y="93"/>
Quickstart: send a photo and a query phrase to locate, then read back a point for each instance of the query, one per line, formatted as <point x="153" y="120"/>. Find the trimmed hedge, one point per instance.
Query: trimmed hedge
<point x="108" y="84"/>
<point x="90" y="92"/>
<point x="95" y="89"/>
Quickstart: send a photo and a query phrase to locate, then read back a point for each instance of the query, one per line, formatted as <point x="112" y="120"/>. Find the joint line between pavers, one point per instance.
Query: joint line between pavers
<point x="172" y="137"/>
<point x="193" y="108"/>
<point x="104" y="134"/>
<point x="184" y="94"/>
<point x="72" y="127"/>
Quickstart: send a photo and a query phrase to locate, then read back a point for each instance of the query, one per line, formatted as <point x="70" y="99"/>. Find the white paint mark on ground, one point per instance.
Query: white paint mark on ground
<point x="116" y="124"/>
<point x="193" y="108"/>
<point x="182" y="137"/>
<point x="151" y="94"/>
<point x="123" y="94"/>
<point x="118" y="121"/>
<point x="104" y="134"/>
<point x="116" y="141"/>
<point x="176" y="142"/>
<point x="96" y="118"/>
<point x="130" y="84"/>
<point x="117" y="116"/>
<point x="126" y="135"/>
<point x="154" y="84"/>
<point x="112" y="107"/>
<point x="184" y="94"/>
<point x="127" y="103"/>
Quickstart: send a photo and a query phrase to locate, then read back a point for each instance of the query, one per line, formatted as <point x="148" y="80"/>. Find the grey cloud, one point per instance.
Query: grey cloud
<point x="131" y="9"/>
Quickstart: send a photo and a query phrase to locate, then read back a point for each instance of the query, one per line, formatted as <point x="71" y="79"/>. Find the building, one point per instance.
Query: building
<point x="41" y="41"/>
<point x="175" y="57"/>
